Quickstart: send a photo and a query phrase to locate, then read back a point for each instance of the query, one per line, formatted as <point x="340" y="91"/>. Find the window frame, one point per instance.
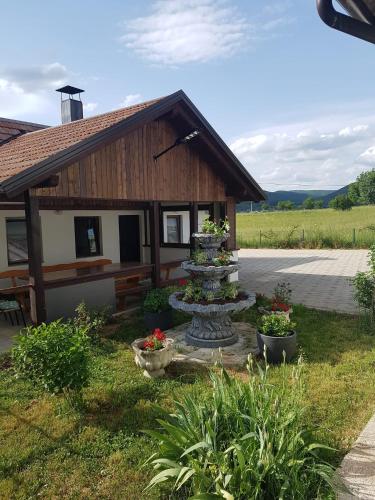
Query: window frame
<point x="10" y="220"/>
<point x="178" y="218"/>
<point x="97" y="235"/>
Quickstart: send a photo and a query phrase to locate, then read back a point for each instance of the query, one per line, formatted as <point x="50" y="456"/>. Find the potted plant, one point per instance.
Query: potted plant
<point x="154" y="353"/>
<point x="157" y="311"/>
<point x="281" y="301"/>
<point x="277" y="336"/>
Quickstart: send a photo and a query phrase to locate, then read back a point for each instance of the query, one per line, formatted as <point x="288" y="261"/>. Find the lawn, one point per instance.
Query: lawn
<point x="326" y="228"/>
<point x="50" y="451"/>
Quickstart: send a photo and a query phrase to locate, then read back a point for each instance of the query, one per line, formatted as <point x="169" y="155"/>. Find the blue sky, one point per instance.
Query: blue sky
<point x="293" y="98"/>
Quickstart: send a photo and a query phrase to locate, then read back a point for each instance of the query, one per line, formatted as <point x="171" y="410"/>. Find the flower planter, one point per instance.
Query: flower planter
<point x="264" y="310"/>
<point x="276" y="346"/>
<point x="153" y="363"/>
<point x="162" y="320"/>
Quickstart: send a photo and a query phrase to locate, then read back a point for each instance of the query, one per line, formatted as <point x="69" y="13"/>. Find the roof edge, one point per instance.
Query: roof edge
<point x="37" y="173"/>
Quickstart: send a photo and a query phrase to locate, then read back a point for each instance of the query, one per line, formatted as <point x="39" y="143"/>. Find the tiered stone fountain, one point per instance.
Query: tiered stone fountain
<point x="211" y="325"/>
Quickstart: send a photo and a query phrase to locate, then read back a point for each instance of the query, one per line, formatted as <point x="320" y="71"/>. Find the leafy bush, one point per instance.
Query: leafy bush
<point x="199" y="257"/>
<point x="275" y="325"/>
<point x="248" y="440"/>
<point x="223" y="258"/>
<point x="156" y="300"/>
<point x="55" y="356"/>
<point x="341" y="202"/>
<point x="229" y="291"/>
<point x="217" y="228"/>
<point x="92" y="320"/>
<point x="193" y="291"/>
<point x="364" y="285"/>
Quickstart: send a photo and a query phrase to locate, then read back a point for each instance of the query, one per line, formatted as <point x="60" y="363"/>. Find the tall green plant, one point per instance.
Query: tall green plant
<point x="247" y="441"/>
<point x="55" y="356"/>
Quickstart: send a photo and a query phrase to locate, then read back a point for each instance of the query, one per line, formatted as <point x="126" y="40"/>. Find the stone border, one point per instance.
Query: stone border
<point x="357" y="470"/>
<point x="233" y="356"/>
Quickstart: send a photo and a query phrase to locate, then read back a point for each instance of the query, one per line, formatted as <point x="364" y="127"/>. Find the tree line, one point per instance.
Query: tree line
<point x="360" y="192"/>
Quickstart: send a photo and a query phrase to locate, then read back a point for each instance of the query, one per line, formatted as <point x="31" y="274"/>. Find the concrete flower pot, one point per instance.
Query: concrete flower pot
<point x="153" y="363"/>
<point x="276" y="346"/>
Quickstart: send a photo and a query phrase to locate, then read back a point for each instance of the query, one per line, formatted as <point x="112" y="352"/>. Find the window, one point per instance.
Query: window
<point x="174" y="229"/>
<point x="16" y="241"/>
<point x="87" y="235"/>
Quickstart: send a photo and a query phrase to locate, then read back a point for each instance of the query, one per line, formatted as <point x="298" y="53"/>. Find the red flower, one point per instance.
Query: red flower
<point x="158" y="334"/>
<point x="148" y="345"/>
<point x="280" y="306"/>
<point x="182" y="282"/>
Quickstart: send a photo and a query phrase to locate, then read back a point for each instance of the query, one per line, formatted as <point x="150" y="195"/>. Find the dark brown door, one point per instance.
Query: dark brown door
<point x="130" y="248"/>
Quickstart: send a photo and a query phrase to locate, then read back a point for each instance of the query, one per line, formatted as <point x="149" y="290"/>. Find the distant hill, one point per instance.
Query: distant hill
<point x="296" y="196"/>
<point x="315" y="193"/>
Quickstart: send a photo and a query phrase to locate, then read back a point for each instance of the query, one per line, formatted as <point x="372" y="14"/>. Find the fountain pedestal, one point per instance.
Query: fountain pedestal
<point x="211" y="325"/>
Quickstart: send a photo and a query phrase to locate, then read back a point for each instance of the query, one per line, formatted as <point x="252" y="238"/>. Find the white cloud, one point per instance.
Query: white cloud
<point x="37" y="78"/>
<point x="368" y="156"/>
<point x="319" y="154"/>
<point x="90" y="107"/>
<point x="131" y="99"/>
<point x="187" y="31"/>
<point x="26" y="92"/>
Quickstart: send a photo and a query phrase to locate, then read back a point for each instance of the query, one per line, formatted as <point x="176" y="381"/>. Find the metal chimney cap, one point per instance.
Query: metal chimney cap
<point x="68" y="89"/>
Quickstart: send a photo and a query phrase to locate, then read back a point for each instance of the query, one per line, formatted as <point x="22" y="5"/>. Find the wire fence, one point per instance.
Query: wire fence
<point x="297" y="237"/>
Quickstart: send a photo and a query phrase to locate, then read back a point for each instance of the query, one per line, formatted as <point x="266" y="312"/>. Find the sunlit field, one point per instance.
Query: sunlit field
<point x="326" y="228"/>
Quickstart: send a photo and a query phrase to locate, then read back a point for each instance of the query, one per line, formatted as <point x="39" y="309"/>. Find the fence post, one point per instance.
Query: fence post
<point x="260" y="237"/>
<point x="303" y="235"/>
<point x="353" y="236"/>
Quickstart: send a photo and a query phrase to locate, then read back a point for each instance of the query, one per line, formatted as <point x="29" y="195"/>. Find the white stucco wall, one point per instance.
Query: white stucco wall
<point x="58" y="235"/>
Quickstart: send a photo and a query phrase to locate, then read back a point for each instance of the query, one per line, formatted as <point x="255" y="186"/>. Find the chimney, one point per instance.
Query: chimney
<point x="71" y="109"/>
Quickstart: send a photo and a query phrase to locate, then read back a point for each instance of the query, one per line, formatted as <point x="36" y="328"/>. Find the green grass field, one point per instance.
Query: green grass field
<point x="48" y="451"/>
<point x="326" y="228"/>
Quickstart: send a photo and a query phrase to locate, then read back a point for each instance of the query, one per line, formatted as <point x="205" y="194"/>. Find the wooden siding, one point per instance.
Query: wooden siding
<point x="125" y="169"/>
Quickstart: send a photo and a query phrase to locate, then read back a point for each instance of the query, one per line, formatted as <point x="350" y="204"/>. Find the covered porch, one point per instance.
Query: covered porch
<point x="118" y="269"/>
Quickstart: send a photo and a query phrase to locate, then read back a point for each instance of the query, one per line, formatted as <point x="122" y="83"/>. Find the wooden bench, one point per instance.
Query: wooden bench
<point x="167" y="268"/>
<point x="21" y="292"/>
<point x="129" y="286"/>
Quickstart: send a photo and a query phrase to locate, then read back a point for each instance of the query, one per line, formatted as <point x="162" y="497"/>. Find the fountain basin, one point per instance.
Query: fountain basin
<point x="211" y="275"/>
<point x="211" y="325"/>
<point x="210" y="242"/>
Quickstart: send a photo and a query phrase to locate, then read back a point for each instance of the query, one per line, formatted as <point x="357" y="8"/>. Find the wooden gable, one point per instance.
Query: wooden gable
<point x="125" y="170"/>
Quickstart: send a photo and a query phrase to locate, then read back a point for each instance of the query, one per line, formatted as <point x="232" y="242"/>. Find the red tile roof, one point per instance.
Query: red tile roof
<point x="12" y="128"/>
<point x="31" y="148"/>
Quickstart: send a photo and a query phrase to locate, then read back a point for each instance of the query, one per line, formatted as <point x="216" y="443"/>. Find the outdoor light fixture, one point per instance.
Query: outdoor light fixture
<point x="180" y="140"/>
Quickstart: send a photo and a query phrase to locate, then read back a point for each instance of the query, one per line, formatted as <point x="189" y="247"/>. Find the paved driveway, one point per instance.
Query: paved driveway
<point x="319" y="278"/>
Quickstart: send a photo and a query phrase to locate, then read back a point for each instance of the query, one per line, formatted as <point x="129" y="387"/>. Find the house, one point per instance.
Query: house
<point x="127" y="188"/>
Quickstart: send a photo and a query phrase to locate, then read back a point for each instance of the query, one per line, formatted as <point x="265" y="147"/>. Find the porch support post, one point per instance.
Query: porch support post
<point x="155" y="242"/>
<point x="193" y="215"/>
<point x="34" y="245"/>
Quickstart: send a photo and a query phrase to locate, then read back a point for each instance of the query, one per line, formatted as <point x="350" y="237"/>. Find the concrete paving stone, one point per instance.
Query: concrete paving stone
<point x="318" y="278"/>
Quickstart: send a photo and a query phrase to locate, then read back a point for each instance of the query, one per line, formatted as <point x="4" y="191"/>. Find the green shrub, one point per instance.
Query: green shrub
<point x="248" y="440"/>
<point x="218" y="228"/>
<point x="364" y="285"/>
<point x="92" y="320"/>
<point x="156" y="300"/>
<point x="55" y="356"/>
<point x="199" y="257"/>
<point x="275" y="325"/>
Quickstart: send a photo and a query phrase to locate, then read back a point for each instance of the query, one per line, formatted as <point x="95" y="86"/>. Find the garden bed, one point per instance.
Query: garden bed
<point x="51" y="451"/>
